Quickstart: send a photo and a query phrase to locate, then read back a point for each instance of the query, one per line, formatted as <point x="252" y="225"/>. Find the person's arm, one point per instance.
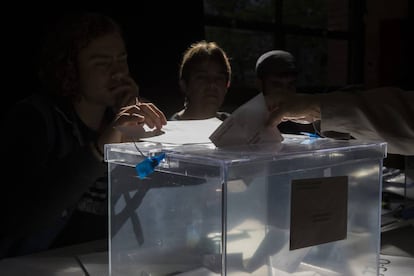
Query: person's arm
<point x="385" y="114"/>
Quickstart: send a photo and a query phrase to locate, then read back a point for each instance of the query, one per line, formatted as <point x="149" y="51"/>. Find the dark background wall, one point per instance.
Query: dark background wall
<point x="389" y="42"/>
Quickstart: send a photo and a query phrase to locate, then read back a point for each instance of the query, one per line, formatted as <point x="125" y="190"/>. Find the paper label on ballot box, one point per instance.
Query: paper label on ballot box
<point x="319" y="208"/>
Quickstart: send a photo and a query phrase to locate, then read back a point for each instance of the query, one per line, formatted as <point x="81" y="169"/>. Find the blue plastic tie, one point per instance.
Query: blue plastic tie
<point x="310" y="135"/>
<point x="312" y="138"/>
<point x="147" y="166"/>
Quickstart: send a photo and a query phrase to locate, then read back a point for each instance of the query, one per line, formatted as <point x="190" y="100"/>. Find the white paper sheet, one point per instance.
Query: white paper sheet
<point x="247" y="125"/>
<point x="184" y="132"/>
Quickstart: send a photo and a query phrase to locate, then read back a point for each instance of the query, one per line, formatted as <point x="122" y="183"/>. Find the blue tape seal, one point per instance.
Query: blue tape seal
<point x="148" y="165"/>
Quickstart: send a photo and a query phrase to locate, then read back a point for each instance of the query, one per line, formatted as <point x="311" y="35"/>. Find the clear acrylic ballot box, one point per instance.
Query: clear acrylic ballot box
<point x="301" y="207"/>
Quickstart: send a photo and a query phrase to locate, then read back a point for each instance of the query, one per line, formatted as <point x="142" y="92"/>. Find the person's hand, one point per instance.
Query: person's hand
<point x="299" y="108"/>
<point x="129" y="112"/>
<point x="136" y="114"/>
<point x="140" y="113"/>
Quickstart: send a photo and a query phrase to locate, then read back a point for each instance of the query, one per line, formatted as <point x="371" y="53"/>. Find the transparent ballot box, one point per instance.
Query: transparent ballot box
<point x="301" y="207"/>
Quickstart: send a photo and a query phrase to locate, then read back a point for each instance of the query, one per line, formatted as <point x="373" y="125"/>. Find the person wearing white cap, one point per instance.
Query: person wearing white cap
<point x="276" y="75"/>
<point x="276" y="72"/>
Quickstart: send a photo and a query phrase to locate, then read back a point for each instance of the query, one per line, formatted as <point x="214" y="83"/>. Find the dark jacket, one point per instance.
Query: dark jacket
<point x="48" y="165"/>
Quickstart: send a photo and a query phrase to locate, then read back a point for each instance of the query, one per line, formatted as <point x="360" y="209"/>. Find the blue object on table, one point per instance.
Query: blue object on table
<point x="312" y="137"/>
<point x="147" y="166"/>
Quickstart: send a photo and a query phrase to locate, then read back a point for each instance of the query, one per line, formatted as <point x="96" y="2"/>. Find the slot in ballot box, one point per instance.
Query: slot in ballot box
<point x="301" y="207"/>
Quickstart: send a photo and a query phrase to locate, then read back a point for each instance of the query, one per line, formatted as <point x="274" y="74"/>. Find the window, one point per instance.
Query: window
<point x="327" y="48"/>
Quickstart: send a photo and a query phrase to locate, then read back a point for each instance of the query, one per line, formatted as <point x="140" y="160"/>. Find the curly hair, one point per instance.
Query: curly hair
<point x="199" y="52"/>
<point x="58" y="69"/>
